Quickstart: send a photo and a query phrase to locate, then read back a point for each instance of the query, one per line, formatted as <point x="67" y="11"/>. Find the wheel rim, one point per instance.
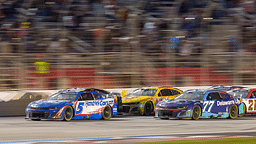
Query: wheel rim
<point x="147" y="108"/>
<point x="107" y="112"/>
<point x="233" y="112"/>
<point x="68" y="114"/>
<point x="196" y="113"/>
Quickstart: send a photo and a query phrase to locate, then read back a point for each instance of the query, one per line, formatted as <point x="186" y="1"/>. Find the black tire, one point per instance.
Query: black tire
<point x="35" y="119"/>
<point x="196" y="112"/>
<point x="148" y="109"/>
<point x="68" y="114"/>
<point x="164" y="118"/>
<point x="242" y="114"/>
<point x="233" y="111"/>
<point x="107" y="113"/>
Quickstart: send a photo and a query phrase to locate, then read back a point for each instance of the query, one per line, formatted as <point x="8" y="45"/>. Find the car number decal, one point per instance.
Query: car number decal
<point x="251" y="103"/>
<point x="208" y="104"/>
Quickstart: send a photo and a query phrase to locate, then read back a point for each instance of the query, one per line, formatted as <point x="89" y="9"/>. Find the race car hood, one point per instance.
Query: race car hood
<point x="48" y="104"/>
<point x="135" y="99"/>
<point x="174" y="103"/>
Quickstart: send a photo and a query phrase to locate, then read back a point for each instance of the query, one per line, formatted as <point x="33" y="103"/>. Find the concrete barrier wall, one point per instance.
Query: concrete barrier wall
<point x="14" y="103"/>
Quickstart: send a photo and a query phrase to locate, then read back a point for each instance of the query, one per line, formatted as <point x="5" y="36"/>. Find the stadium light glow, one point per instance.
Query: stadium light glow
<point x="189" y="18"/>
<point x="207" y="18"/>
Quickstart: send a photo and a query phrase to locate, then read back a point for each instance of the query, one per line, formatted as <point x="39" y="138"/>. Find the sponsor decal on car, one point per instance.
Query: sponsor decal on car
<point x="96" y="103"/>
<point x="222" y="103"/>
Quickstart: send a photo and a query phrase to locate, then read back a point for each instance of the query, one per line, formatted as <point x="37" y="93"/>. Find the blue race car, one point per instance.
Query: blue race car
<point x="73" y="104"/>
<point x="197" y="104"/>
<point x="225" y="88"/>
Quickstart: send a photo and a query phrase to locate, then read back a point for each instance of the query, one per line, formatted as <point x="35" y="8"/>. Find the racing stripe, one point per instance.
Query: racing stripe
<point x="60" y="111"/>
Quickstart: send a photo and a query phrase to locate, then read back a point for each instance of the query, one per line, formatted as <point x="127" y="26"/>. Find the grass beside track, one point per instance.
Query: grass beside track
<point x="243" y="140"/>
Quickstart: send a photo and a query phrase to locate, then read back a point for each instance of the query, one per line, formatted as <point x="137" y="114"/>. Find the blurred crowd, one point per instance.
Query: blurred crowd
<point x="153" y="27"/>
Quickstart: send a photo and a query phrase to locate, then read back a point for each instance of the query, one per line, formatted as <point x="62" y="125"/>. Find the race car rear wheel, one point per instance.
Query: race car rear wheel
<point x="148" y="109"/>
<point x="35" y="119"/>
<point x="196" y="112"/>
<point x="107" y="112"/>
<point x="233" y="111"/>
<point x="242" y="114"/>
<point x="68" y="114"/>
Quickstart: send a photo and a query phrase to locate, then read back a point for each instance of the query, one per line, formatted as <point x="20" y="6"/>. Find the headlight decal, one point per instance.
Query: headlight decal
<point x="182" y="107"/>
<point x="54" y="108"/>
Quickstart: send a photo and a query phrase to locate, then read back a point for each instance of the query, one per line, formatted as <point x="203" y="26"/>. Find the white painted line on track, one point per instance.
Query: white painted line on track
<point x="204" y="136"/>
<point x="195" y="133"/>
<point x="140" y="139"/>
<point x="101" y="142"/>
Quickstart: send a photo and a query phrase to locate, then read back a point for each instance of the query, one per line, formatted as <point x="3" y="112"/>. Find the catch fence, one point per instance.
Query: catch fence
<point x="124" y="70"/>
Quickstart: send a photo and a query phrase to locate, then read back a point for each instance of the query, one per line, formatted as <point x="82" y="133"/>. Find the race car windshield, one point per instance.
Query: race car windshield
<point x="191" y="96"/>
<point x="143" y="92"/>
<point x="239" y="93"/>
<point x="63" y="96"/>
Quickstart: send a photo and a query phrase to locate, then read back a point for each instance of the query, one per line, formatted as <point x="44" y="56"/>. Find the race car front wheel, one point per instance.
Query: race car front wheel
<point x="68" y="114"/>
<point x="107" y="112"/>
<point x="196" y="112"/>
<point x="233" y="111"/>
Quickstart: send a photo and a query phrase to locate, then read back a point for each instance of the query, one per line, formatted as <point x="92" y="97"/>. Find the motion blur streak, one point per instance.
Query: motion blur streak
<point x="56" y="44"/>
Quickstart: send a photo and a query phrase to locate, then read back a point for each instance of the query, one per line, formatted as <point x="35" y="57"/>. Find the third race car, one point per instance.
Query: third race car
<point x="197" y="104"/>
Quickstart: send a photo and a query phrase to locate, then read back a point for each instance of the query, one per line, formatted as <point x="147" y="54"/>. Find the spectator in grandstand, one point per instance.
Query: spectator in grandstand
<point x="98" y="8"/>
<point x="68" y="20"/>
<point x="142" y="43"/>
<point x="186" y="47"/>
<point x="77" y="18"/>
<point x="233" y="44"/>
<point x="246" y="13"/>
<point x="111" y="8"/>
<point x="122" y="14"/>
<point x="153" y="9"/>
<point x="184" y="8"/>
<point x="246" y="16"/>
<point x="175" y="44"/>
<point x="8" y="10"/>
<point x="27" y="43"/>
<point x="5" y="46"/>
<point x="217" y="13"/>
<point x="154" y="48"/>
<point x="200" y="4"/>
<point x="230" y="3"/>
<point x="54" y="46"/>
<point x="86" y="7"/>
<point x="149" y="29"/>
<point x="1" y="15"/>
<point x="191" y="23"/>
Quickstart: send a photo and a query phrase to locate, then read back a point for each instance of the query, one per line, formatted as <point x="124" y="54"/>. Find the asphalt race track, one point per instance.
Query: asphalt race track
<point x="120" y="128"/>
